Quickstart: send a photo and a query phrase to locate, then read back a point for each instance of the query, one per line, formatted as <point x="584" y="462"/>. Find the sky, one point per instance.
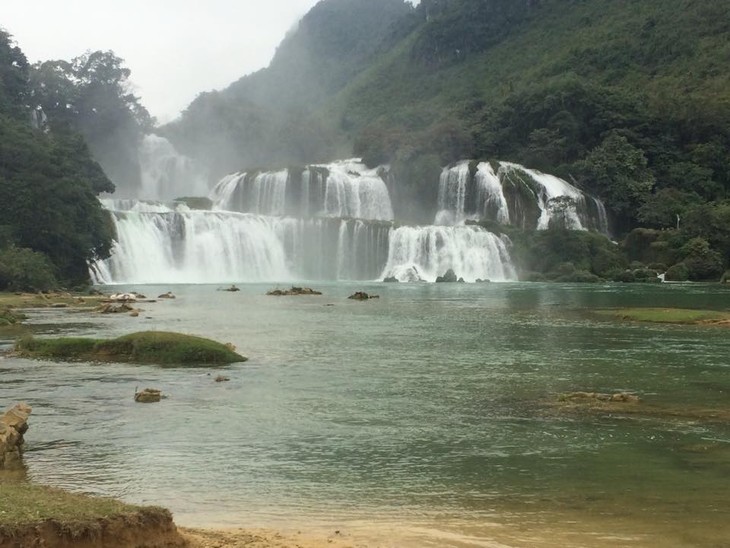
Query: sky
<point x="174" y="48"/>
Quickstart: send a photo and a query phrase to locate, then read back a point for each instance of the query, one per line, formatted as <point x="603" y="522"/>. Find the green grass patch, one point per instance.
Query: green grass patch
<point x="23" y="503"/>
<point x="667" y="315"/>
<point x="147" y="347"/>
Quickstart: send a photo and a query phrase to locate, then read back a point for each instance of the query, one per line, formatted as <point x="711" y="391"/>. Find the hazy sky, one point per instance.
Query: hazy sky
<point x="175" y="48"/>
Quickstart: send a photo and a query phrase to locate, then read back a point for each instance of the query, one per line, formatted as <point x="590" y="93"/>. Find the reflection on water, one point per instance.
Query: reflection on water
<point x="419" y="411"/>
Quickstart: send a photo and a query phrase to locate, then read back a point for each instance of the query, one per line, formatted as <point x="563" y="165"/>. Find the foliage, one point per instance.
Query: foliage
<point x="91" y="95"/>
<point x="48" y="187"/>
<point x="619" y="169"/>
<point x="25" y="270"/>
<point x="677" y="273"/>
<point x="701" y="261"/>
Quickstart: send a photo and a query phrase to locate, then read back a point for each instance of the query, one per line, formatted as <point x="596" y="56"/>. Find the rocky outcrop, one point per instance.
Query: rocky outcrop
<point x="294" y="291"/>
<point x="13" y="424"/>
<point x="448" y="277"/>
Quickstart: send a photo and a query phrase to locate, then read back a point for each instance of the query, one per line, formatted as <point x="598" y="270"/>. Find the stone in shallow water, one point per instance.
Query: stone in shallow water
<point x="148" y="395"/>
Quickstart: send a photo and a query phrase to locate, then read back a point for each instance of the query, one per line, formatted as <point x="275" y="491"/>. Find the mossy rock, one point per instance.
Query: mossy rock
<point x="147" y="347"/>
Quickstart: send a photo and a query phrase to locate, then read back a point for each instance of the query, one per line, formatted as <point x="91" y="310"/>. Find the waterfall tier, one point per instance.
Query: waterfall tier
<point x="158" y="244"/>
<point x="509" y="193"/>
<point x="166" y="174"/>
<point x="344" y="189"/>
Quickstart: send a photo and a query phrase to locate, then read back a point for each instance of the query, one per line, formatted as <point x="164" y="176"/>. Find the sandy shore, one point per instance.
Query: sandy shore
<point x="262" y="538"/>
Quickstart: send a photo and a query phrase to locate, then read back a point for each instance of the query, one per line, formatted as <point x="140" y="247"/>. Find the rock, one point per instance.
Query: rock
<point x="480" y="281"/>
<point x="391" y="280"/>
<point x="362" y="296"/>
<point x="134" y="313"/>
<point x="109" y="308"/>
<point x="221" y="378"/>
<point x="448" y="277"/>
<point x="461" y="280"/>
<point x="59" y="305"/>
<point x="148" y="395"/>
<point x="123" y="297"/>
<point x="167" y="295"/>
<point x="232" y="289"/>
<point x="294" y="291"/>
<point x="13" y="424"/>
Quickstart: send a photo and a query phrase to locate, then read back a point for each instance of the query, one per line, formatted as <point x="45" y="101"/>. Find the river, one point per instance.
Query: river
<point x="423" y="416"/>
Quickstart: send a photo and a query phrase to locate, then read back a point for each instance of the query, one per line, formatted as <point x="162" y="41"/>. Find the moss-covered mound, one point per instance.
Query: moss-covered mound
<point x="32" y="515"/>
<point x="669" y="315"/>
<point x="146" y="347"/>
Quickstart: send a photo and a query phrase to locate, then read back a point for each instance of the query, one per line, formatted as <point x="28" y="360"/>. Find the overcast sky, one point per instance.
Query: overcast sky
<point x="175" y="48"/>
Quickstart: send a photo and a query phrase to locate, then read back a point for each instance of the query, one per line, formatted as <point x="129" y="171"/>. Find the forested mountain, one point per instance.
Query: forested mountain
<point x="628" y="99"/>
<point x="51" y="223"/>
<point x="275" y="116"/>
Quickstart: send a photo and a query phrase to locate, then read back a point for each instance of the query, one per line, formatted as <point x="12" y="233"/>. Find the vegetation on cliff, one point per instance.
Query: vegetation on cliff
<point x="51" y="224"/>
<point x="147" y="347"/>
<point x="630" y="101"/>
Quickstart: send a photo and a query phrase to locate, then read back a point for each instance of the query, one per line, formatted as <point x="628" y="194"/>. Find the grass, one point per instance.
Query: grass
<point x="23" y="503"/>
<point x="46" y="300"/>
<point x="668" y="315"/>
<point x="146" y="347"/>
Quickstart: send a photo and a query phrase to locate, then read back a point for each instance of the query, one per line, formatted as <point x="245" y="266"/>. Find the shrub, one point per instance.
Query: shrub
<point x="677" y="273"/>
<point x="25" y="270"/>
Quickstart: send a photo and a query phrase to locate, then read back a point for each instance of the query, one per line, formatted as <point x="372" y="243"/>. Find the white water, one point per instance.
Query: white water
<point x="345" y="189"/>
<point x="331" y="222"/>
<point x="482" y="197"/>
<point x="166" y="174"/>
<point x="550" y="187"/>
<point x="472" y="252"/>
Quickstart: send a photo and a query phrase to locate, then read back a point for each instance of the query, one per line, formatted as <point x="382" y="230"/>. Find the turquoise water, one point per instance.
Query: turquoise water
<point x="425" y="411"/>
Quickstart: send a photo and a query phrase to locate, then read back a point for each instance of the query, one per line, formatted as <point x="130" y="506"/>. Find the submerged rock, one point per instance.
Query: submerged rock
<point x="109" y="308"/>
<point x="620" y="397"/>
<point x="362" y="296"/>
<point x="294" y="291"/>
<point x="167" y="295"/>
<point x="391" y="280"/>
<point x="222" y="378"/>
<point x="232" y="289"/>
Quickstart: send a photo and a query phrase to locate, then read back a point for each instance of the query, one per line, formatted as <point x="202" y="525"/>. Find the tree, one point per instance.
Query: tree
<point x="619" y="171"/>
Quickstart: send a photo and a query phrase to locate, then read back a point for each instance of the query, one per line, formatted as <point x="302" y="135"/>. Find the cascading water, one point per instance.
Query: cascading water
<point x="166" y="174"/>
<point x="514" y="194"/>
<point x="334" y="222"/>
<point x="345" y="189"/>
<point x="427" y="252"/>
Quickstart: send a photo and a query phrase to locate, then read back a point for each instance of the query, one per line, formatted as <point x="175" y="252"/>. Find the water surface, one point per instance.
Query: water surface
<point x="421" y="413"/>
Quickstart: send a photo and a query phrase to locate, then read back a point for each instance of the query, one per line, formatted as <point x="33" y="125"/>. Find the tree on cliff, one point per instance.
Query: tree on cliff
<point x="91" y="95"/>
<point x="48" y="187"/>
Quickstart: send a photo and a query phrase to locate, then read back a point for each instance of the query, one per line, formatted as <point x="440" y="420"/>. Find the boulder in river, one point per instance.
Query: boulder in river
<point x="13" y="424"/>
<point x="148" y="395"/>
<point x="448" y="277"/>
<point x="168" y="295"/>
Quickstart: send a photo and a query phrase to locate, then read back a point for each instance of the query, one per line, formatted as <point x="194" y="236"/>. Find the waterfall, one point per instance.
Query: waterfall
<point x="471" y="251"/>
<point x="166" y="174"/>
<point x="490" y="195"/>
<point x="329" y="222"/>
<point x="159" y="244"/>
<point x="345" y="189"/>
<point x="452" y="195"/>
<point x="513" y="194"/>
